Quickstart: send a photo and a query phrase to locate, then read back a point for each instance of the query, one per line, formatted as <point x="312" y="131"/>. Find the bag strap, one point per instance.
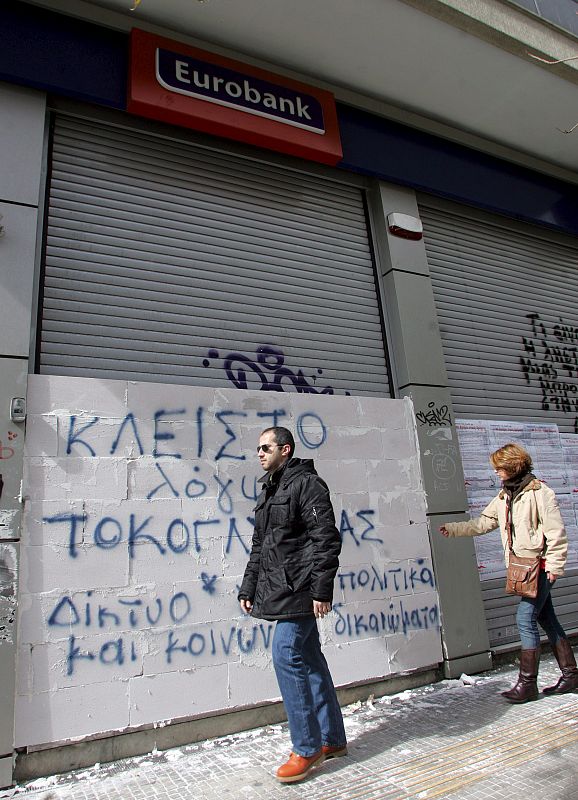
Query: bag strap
<point x="509" y="523"/>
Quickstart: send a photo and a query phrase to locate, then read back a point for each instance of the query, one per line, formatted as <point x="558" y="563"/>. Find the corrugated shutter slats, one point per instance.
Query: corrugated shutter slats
<point x="487" y="279"/>
<point x="158" y="251"/>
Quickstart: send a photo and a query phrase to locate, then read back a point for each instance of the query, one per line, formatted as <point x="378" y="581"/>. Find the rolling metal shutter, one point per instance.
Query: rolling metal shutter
<point x="163" y="258"/>
<point x="500" y="609"/>
<point x="489" y="281"/>
<point x="507" y="302"/>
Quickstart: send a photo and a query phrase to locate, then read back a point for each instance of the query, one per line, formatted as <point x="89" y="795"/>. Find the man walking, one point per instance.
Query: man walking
<point x="289" y="578"/>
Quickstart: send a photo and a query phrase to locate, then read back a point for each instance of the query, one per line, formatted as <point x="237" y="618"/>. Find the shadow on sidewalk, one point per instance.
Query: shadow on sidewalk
<point x="413" y="723"/>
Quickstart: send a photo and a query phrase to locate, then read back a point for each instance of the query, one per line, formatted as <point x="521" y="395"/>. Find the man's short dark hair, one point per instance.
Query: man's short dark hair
<point x="282" y="436"/>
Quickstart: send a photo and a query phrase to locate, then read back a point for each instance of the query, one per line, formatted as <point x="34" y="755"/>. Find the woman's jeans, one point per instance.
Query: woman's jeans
<point x="306" y="687"/>
<point x="540" y="609"/>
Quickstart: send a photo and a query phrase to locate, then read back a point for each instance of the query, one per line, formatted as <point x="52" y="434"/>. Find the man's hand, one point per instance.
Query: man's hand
<point x="246" y="605"/>
<point x="320" y="608"/>
<point x="444" y="531"/>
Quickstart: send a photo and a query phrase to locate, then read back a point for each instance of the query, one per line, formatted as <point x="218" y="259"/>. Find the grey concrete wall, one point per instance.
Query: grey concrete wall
<point x="189" y="652"/>
<point x="22" y="124"/>
<point x="37" y="763"/>
<point x="419" y="372"/>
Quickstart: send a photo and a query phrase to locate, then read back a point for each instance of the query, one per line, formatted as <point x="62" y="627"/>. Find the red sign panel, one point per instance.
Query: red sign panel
<point x="185" y="86"/>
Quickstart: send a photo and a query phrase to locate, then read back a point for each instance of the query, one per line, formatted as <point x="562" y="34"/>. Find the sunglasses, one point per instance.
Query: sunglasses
<point x="266" y="448"/>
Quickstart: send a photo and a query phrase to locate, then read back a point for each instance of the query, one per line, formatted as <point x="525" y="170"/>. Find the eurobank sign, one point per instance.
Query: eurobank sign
<point x="226" y="87"/>
<point x="182" y="85"/>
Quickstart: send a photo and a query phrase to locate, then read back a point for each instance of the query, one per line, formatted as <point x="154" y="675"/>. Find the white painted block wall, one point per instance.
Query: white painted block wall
<point x="137" y="528"/>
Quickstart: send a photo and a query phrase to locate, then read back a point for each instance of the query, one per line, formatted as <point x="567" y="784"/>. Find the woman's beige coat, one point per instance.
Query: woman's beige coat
<point x="535" y="513"/>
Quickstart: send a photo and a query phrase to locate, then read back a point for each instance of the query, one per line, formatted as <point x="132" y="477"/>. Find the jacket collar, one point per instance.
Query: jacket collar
<point x="532" y="486"/>
<point x="289" y="471"/>
<point x="272" y="479"/>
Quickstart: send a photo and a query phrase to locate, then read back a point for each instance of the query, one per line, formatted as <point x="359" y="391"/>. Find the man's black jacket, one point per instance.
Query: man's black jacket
<point x="296" y="546"/>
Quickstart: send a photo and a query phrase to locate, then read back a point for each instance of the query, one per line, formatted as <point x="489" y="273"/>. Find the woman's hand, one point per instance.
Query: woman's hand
<point x="444" y="531"/>
<point x="551" y="577"/>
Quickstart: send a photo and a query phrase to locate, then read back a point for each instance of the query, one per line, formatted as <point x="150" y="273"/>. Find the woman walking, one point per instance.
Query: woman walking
<point x="530" y="509"/>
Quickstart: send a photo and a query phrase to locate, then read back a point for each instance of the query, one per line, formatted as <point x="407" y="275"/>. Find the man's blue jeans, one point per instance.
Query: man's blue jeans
<point x="306" y="686"/>
<point x="541" y="610"/>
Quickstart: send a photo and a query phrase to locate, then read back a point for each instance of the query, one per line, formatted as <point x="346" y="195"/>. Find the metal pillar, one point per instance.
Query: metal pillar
<point x="419" y="372"/>
<point x="22" y="131"/>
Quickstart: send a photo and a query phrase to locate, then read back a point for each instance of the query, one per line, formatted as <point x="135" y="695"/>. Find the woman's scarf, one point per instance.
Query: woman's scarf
<point x="513" y="486"/>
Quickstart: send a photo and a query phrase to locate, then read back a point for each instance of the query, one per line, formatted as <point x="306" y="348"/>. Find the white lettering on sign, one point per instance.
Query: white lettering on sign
<point x="182" y="72"/>
<point x="226" y="87"/>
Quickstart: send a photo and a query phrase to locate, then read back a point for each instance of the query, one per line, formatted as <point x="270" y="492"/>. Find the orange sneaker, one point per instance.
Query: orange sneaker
<point x="334" y="752"/>
<point x="298" y="767"/>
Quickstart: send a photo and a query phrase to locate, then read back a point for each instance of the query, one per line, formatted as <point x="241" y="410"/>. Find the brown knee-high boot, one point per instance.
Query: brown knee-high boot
<point x="526" y="687"/>
<point x="567" y="663"/>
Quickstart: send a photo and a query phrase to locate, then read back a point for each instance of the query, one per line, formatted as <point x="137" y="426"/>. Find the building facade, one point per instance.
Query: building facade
<point x="199" y="239"/>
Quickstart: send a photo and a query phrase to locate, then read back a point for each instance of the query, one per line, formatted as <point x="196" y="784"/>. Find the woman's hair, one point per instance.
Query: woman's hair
<point x="513" y="458"/>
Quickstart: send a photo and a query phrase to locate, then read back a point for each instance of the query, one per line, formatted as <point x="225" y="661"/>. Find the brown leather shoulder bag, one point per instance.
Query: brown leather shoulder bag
<point x="523" y="573"/>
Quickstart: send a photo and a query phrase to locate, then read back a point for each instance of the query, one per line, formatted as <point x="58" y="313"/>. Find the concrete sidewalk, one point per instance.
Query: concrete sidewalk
<point x="446" y="740"/>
